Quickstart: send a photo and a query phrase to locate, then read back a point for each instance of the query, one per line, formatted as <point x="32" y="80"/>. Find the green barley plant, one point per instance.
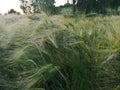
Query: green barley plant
<point x="57" y="53"/>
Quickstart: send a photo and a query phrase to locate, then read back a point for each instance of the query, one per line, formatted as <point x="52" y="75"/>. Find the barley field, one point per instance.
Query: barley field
<point x="40" y="52"/>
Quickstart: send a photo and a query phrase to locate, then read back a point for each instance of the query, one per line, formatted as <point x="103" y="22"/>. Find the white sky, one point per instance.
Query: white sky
<point x="61" y="2"/>
<point x="6" y="5"/>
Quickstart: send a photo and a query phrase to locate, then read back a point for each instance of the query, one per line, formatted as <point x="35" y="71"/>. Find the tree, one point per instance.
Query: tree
<point x="81" y="5"/>
<point x="102" y="6"/>
<point x="74" y="6"/>
<point x="43" y="5"/>
<point x="114" y="4"/>
<point x="88" y="6"/>
<point x="99" y="6"/>
<point x="47" y="6"/>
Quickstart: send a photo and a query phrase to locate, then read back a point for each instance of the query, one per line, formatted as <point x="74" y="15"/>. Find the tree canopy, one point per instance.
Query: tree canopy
<point x="99" y="6"/>
<point x="38" y="5"/>
<point x="86" y="6"/>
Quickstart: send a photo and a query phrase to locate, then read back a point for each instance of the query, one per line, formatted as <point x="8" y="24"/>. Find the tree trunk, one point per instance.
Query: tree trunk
<point x="74" y="6"/>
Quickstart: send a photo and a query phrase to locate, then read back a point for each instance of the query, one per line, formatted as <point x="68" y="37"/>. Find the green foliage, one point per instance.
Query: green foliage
<point x="99" y="6"/>
<point x="66" y="11"/>
<point x="47" y="6"/>
<point x="75" y="54"/>
<point x="39" y="5"/>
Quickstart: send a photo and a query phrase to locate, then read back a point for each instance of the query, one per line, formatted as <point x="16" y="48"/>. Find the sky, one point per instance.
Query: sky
<point x="6" y="5"/>
<point x="61" y="2"/>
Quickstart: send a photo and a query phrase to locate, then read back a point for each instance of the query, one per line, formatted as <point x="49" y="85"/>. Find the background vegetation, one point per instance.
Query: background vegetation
<point x="77" y="6"/>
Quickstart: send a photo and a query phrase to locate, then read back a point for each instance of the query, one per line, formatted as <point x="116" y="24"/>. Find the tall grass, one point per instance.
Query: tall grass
<point x="57" y="53"/>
